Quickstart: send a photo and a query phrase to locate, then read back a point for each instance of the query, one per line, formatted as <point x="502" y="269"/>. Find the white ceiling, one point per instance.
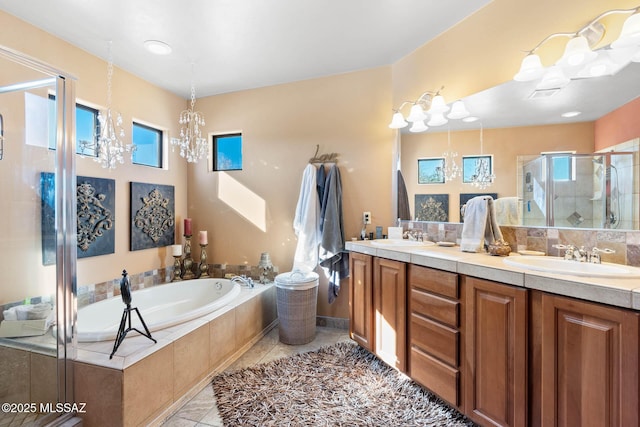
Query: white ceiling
<point x="234" y="45"/>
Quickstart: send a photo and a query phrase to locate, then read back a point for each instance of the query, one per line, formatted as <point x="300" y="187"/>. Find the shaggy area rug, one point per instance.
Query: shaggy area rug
<point x="339" y="385"/>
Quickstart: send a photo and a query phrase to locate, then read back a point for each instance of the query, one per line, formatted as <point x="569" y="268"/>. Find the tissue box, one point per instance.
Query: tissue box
<point x="394" y="232"/>
<point x="25" y="328"/>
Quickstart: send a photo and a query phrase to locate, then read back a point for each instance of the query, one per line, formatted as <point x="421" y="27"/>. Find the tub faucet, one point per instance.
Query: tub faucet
<point x="243" y="280"/>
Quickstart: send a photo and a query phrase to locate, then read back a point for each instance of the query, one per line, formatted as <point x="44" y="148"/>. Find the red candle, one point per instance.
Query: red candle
<point x="203" y="238"/>
<point x="187" y="226"/>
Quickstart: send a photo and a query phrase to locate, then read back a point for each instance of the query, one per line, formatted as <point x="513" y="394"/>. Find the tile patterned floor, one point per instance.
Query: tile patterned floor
<point x="201" y="411"/>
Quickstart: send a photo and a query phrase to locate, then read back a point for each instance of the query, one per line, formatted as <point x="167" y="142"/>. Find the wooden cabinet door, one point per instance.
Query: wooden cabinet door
<point x="361" y="299"/>
<point x="589" y="364"/>
<point x="496" y="353"/>
<point x="390" y="316"/>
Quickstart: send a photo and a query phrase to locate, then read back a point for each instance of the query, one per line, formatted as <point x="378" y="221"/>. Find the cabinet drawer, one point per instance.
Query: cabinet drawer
<point x="436" y="281"/>
<point x="438" y="340"/>
<point x="435" y="307"/>
<point x="435" y="375"/>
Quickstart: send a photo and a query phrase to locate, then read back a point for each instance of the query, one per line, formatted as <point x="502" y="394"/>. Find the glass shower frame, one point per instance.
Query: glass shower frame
<point x="65" y="213"/>
<point x="587" y="196"/>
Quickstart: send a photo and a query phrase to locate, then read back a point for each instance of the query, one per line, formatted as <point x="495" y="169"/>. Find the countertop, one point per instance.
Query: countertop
<point x="620" y="292"/>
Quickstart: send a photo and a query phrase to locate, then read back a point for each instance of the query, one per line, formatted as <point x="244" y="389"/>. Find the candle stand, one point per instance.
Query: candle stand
<point x="187" y="262"/>
<point x="204" y="267"/>
<point x="177" y="269"/>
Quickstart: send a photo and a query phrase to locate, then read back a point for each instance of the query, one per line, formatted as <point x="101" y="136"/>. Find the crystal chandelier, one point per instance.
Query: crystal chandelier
<point x="192" y="145"/>
<point x="109" y="147"/>
<point x="451" y="169"/>
<point x="482" y="176"/>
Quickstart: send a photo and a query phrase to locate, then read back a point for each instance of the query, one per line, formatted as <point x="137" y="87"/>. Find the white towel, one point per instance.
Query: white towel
<point x="507" y="212"/>
<point x="306" y="223"/>
<point x="480" y="228"/>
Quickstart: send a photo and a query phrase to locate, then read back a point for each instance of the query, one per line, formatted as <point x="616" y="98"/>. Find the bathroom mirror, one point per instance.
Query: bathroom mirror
<point x="517" y="122"/>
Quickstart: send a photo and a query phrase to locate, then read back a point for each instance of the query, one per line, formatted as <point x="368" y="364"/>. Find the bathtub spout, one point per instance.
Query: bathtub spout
<point x="243" y="280"/>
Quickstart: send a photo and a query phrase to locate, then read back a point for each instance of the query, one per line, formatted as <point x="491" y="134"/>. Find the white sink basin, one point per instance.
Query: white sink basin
<point x="562" y="266"/>
<point x="390" y="243"/>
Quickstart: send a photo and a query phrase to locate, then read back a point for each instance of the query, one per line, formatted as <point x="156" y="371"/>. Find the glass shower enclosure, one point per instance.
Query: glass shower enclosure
<point x="597" y="190"/>
<point x="37" y="139"/>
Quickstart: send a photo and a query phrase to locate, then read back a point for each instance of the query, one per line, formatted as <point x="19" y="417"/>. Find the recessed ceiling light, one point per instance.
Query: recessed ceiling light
<point x="470" y="119"/>
<point x="569" y="114"/>
<point x="157" y="47"/>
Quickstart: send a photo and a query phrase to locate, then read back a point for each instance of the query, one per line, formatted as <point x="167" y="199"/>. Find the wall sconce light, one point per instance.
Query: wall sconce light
<point x="579" y="60"/>
<point x="1" y="137"/>
<point x="435" y="106"/>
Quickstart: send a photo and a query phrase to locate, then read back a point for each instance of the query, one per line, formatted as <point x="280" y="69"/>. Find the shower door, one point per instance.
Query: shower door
<point x="37" y="297"/>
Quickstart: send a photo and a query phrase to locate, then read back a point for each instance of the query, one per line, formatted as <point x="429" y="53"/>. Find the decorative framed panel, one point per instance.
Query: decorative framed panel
<point x="96" y="216"/>
<point x="431" y="171"/>
<point x="152" y="215"/>
<point x="432" y="207"/>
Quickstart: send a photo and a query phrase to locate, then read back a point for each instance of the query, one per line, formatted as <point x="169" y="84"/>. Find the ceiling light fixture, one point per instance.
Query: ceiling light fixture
<point x="192" y="145"/>
<point x="157" y="47"/>
<point x="570" y="114"/>
<point x="108" y="146"/>
<point x="435" y="106"/>
<point x="579" y="60"/>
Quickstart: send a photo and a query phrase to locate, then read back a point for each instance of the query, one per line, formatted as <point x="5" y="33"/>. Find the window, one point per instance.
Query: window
<point x="563" y="165"/>
<point x="227" y="152"/>
<point x="148" y="142"/>
<point x="87" y="128"/>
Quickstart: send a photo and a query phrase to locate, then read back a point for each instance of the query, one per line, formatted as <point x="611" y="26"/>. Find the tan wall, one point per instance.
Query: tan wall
<point x="133" y="98"/>
<point x="504" y="144"/>
<point x="281" y="126"/>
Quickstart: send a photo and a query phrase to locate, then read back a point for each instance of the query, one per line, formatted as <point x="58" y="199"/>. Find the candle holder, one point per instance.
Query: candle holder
<point x="187" y="262"/>
<point x="177" y="269"/>
<point x="204" y="267"/>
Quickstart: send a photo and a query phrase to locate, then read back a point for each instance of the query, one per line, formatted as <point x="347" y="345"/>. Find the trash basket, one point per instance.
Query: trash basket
<point x="297" y="297"/>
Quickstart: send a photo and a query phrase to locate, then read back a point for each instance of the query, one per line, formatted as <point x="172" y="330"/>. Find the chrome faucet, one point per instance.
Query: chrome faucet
<point x="594" y="256"/>
<point x="243" y="281"/>
<point x="573" y="253"/>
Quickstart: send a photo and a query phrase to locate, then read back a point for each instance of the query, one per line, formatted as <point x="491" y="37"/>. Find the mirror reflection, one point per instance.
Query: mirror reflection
<point x="525" y="131"/>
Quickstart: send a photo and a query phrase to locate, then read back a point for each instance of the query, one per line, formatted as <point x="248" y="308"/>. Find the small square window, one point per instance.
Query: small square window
<point x="227" y="152"/>
<point x="87" y="128"/>
<point x="148" y="142"/>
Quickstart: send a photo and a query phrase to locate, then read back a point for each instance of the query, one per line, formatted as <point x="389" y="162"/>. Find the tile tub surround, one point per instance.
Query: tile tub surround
<point x="144" y="382"/>
<point x="626" y="243"/>
<point x="618" y="292"/>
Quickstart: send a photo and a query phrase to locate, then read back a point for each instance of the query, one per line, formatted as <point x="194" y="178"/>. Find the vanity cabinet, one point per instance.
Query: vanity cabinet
<point x="361" y="299"/>
<point x="389" y="304"/>
<point x="586" y="366"/>
<point x="434" y="337"/>
<point x="496" y="353"/>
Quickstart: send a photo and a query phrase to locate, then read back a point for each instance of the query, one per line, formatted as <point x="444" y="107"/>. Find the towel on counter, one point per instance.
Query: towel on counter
<point x="480" y="228"/>
<point x="333" y="257"/>
<point x="507" y="211"/>
<point x="306" y="222"/>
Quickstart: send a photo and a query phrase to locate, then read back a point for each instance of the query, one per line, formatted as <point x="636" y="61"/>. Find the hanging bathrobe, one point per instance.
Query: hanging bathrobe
<point x="333" y="257"/>
<point x="306" y="221"/>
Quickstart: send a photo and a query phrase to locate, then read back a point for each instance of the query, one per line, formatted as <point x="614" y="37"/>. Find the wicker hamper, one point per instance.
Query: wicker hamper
<point x="297" y="297"/>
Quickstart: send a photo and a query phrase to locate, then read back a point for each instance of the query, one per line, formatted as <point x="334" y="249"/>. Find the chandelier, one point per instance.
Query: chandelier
<point x="451" y="169"/>
<point x="482" y="175"/>
<point x="192" y="145"/>
<point x="108" y="147"/>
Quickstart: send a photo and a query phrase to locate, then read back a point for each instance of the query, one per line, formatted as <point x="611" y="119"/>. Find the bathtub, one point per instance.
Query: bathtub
<point x="160" y="307"/>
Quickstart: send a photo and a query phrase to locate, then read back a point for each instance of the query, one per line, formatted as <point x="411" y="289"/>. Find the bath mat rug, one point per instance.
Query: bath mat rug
<point x="339" y="385"/>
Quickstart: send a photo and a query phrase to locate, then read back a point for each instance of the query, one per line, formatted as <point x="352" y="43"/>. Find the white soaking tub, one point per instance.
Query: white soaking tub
<point x="160" y="306"/>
